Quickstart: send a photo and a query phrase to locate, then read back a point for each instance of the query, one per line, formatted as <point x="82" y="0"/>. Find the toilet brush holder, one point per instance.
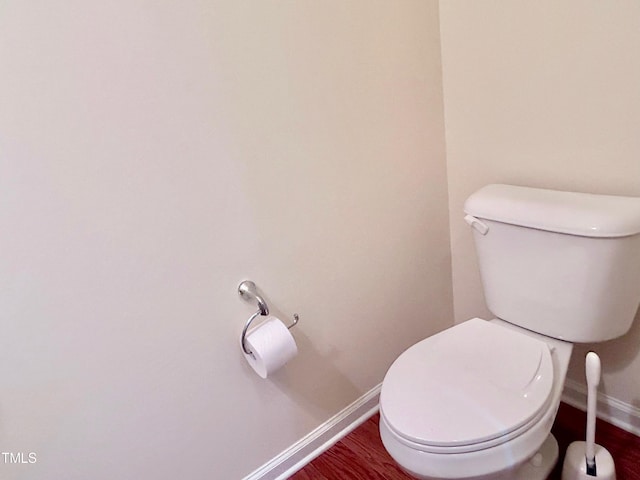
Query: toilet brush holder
<point x="575" y="464"/>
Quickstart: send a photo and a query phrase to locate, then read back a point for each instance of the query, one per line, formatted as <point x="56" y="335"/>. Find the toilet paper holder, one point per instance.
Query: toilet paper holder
<point x="249" y="292"/>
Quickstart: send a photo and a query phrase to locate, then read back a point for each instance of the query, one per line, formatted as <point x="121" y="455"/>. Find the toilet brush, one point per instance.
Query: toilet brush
<point x="592" y="369"/>
<point x="588" y="460"/>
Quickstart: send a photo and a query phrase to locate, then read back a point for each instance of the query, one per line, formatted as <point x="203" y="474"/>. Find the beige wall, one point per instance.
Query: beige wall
<point x="155" y="154"/>
<point x="543" y="94"/>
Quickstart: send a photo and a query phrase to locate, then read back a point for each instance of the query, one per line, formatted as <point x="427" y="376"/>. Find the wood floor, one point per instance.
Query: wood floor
<point x="361" y="455"/>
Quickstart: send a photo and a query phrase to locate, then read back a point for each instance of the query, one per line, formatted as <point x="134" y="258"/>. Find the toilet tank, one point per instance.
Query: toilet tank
<point x="563" y="264"/>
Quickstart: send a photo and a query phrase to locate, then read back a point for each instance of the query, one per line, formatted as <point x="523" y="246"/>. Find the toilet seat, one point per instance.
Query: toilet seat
<point x="468" y="388"/>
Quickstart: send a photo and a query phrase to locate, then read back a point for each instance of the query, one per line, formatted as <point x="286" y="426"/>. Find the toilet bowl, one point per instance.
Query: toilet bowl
<point x="475" y="401"/>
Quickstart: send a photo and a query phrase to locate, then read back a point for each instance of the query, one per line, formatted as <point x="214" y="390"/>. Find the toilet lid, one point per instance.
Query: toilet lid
<point x="471" y="383"/>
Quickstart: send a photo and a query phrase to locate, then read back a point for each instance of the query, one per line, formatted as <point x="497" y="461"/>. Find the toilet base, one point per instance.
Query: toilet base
<point x="540" y="465"/>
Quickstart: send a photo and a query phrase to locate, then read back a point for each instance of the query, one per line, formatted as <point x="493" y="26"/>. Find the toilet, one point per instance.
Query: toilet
<point x="477" y="401"/>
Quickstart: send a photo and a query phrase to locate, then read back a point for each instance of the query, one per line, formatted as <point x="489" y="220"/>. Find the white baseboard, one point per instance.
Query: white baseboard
<point x="610" y="409"/>
<point x="319" y="440"/>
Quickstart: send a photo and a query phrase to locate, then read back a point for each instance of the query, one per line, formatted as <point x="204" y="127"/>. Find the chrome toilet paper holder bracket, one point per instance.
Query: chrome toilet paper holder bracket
<point x="249" y="293"/>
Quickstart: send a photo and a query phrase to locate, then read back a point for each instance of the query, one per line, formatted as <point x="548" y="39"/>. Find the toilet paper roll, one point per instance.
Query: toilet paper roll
<point x="271" y="345"/>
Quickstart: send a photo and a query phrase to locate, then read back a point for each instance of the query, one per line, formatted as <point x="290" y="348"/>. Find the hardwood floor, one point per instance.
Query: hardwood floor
<point x="358" y="456"/>
<point x="361" y="455"/>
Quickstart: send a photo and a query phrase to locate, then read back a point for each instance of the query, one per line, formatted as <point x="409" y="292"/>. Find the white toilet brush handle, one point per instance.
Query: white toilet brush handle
<point x="592" y="368"/>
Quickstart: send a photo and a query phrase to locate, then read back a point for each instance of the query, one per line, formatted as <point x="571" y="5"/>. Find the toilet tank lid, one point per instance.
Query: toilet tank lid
<point x="583" y="214"/>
